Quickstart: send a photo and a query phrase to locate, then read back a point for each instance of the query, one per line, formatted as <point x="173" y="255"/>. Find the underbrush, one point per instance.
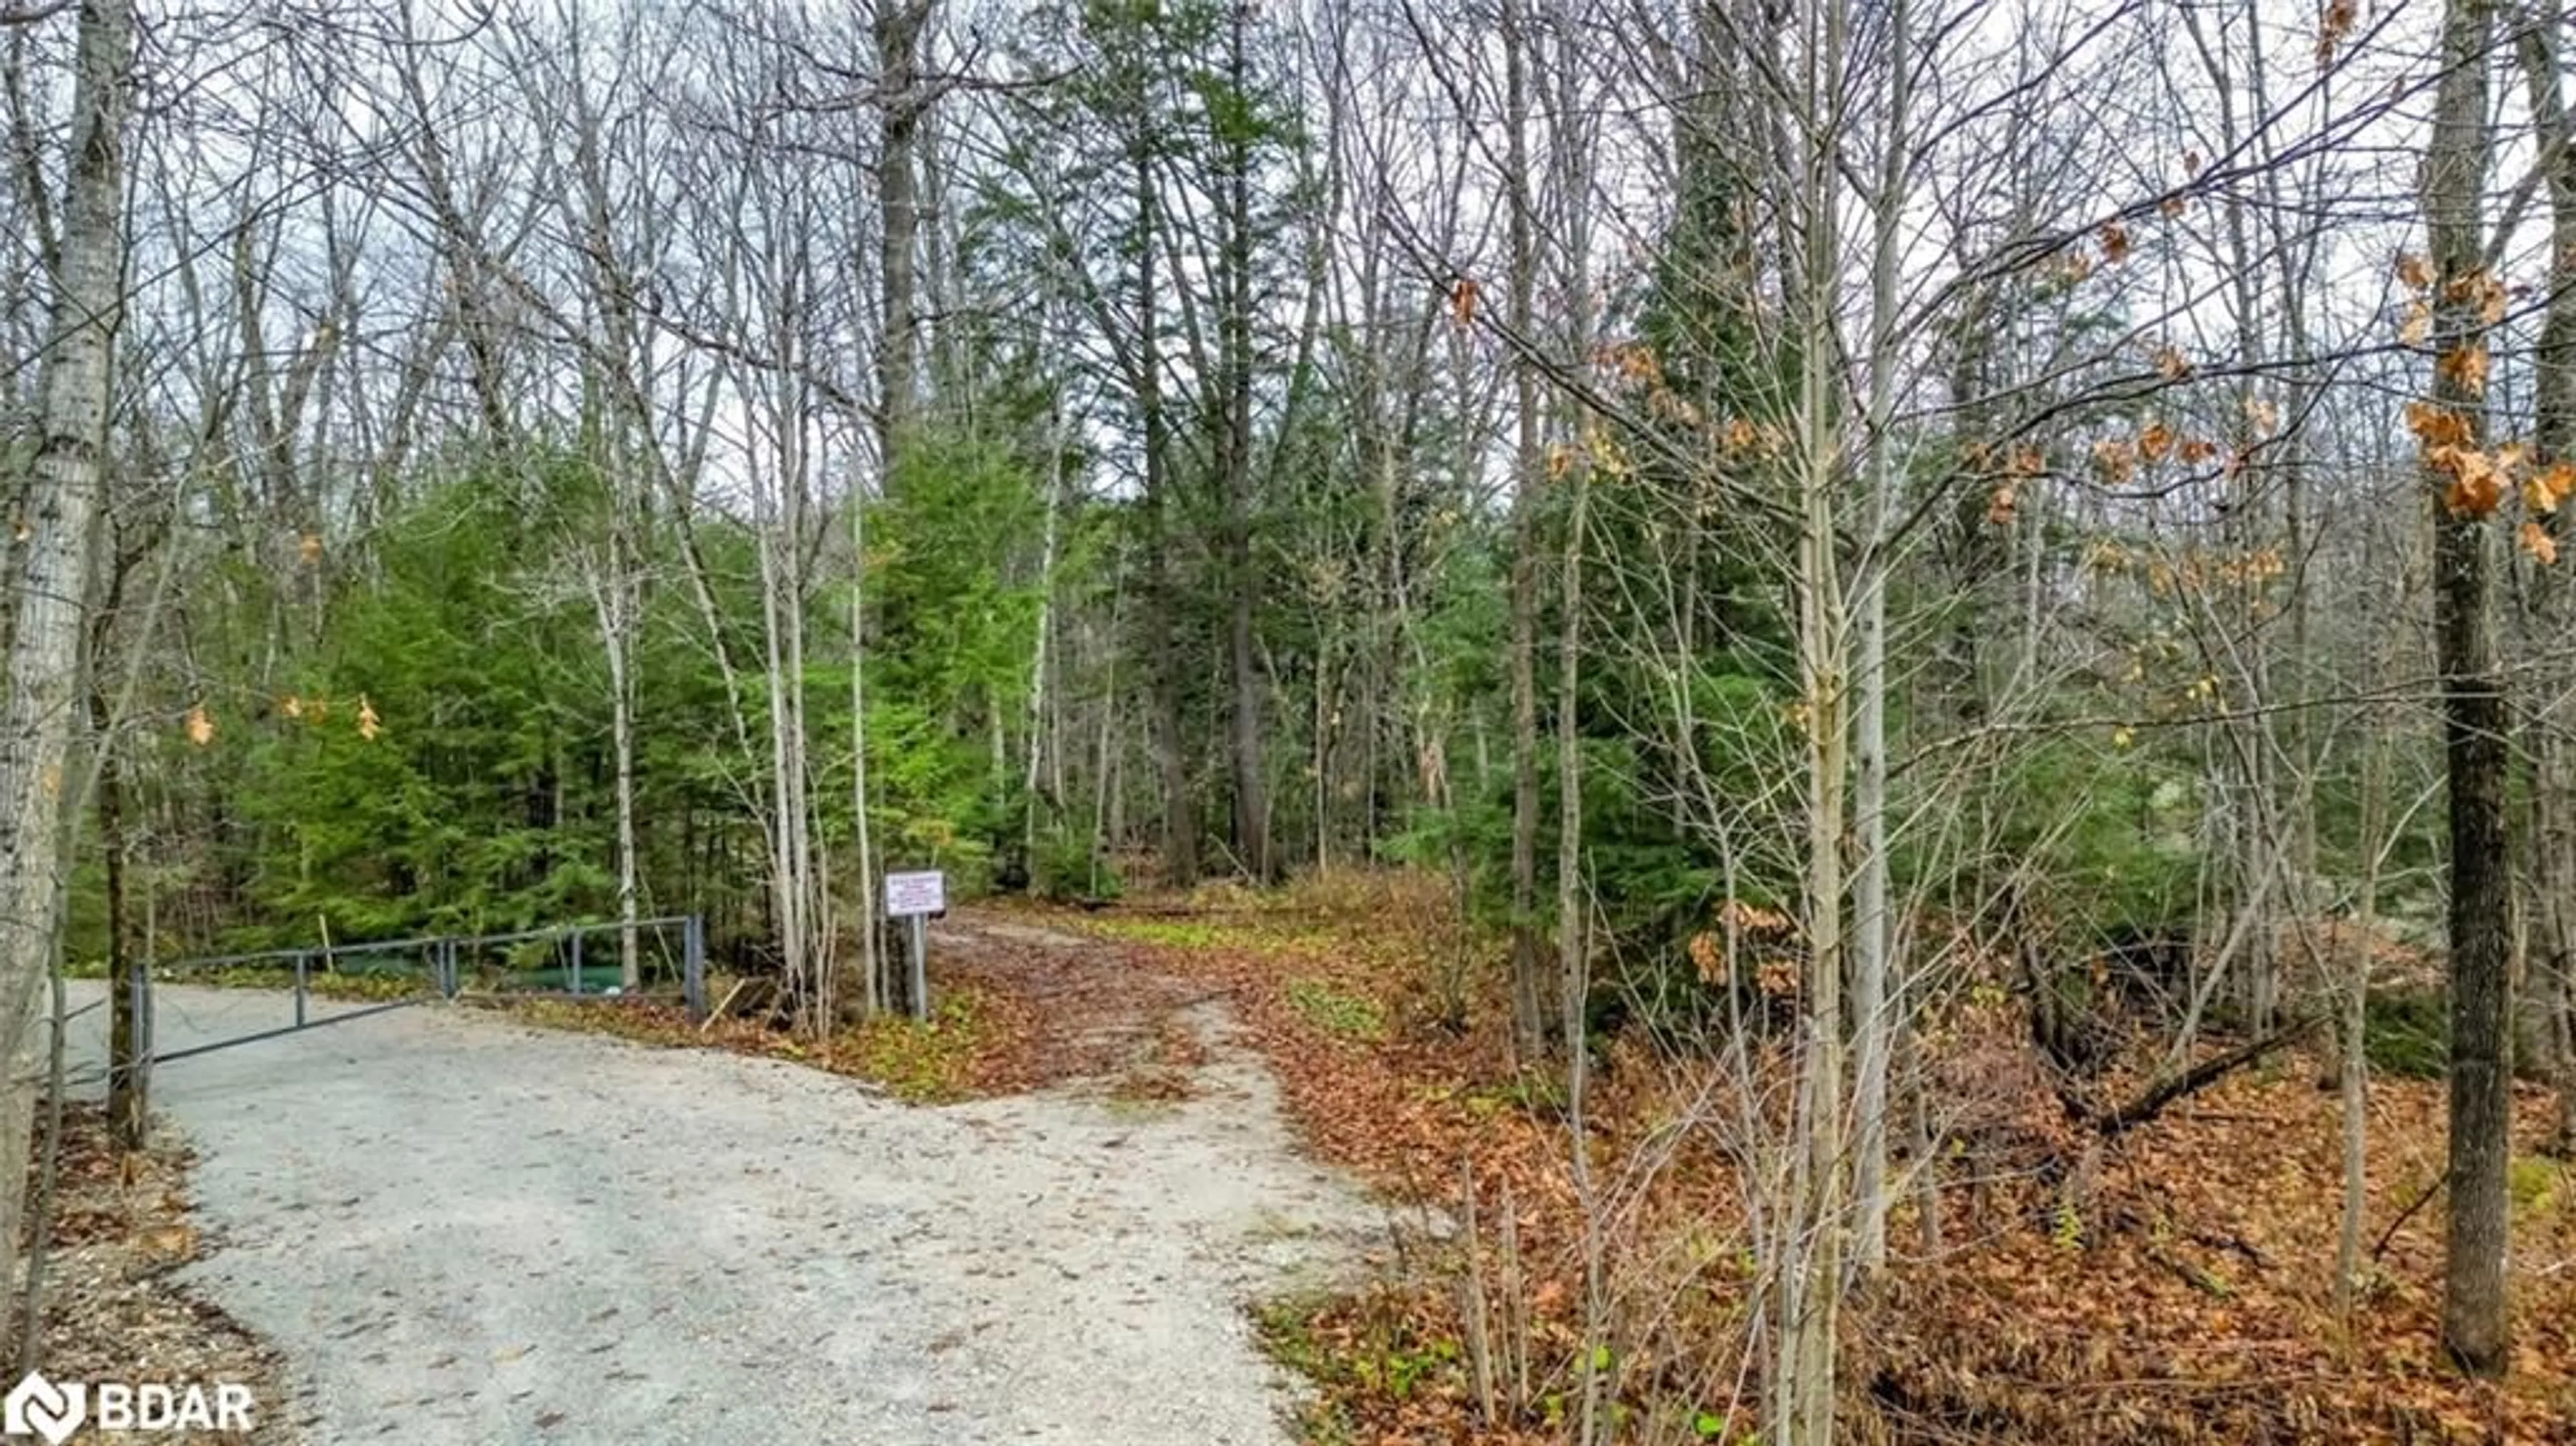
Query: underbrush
<point x="963" y="1050"/>
<point x="2046" y="1284"/>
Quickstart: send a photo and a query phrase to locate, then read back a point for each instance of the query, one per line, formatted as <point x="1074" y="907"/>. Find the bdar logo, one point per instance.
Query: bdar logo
<point x="38" y="1407"/>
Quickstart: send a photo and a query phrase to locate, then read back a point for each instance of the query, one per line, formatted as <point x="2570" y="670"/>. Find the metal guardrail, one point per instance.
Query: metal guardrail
<point x="443" y="975"/>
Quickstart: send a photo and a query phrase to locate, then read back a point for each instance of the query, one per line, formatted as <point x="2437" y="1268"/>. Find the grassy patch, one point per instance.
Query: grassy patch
<point x="1336" y="1012"/>
<point x="1287" y="1332"/>
<point x="1172" y="933"/>
<point x="1361" y="1353"/>
<point x="953" y="1055"/>
<point x="927" y="1061"/>
<point x="2533" y="1184"/>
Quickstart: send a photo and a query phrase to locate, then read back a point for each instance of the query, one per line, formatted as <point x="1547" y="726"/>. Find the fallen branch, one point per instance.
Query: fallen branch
<point x="719" y="1011"/>
<point x="2431" y="1188"/>
<point x="2111" y="1124"/>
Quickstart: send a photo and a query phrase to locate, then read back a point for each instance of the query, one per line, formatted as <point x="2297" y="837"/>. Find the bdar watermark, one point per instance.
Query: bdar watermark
<point x="53" y="1410"/>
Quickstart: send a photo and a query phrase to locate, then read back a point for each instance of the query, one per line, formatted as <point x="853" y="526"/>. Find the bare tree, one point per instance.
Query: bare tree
<point x="40" y="714"/>
<point x="2474" y="1322"/>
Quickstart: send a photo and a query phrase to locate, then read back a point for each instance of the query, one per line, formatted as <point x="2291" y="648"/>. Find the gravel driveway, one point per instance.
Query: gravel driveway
<point x="461" y="1230"/>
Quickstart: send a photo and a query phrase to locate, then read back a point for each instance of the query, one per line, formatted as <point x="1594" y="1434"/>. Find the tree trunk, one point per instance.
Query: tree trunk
<point x="39" y="711"/>
<point x="1873" y="929"/>
<point x="1530" y="1015"/>
<point x="1180" y="811"/>
<point x="898" y="37"/>
<point x="1812" y="1263"/>
<point x="2355" y="1027"/>
<point x="614" y="598"/>
<point x="2474" y="1317"/>
<point x="1251" y="797"/>
<point x="2553" y="802"/>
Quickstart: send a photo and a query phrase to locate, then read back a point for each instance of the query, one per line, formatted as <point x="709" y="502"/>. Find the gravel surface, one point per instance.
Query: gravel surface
<point x="462" y="1230"/>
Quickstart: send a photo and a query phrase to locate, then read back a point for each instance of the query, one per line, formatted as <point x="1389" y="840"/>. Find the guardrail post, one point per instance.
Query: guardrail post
<point x="693" y="965"/>
<point x="575" y="975"/>
<point x="301" y="960"/>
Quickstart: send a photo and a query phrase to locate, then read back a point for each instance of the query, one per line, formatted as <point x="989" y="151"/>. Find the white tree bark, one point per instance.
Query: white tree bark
<point x="40" y="714"/>
<point x="1872" y="926"/>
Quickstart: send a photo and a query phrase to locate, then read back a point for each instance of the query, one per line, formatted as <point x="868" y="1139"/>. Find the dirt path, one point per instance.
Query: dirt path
<point x="462" y="1230"/>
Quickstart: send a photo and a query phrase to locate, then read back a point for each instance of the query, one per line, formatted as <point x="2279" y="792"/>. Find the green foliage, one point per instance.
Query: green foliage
<point x="2533" y="1184"/>
<point x="414" y="774"/>
<point x="2408" y="1032"/>
<point x="923" y="1062"/>
<point x="956" y="608"/>
<point x="1066" y="865"/>
<point x="1336" y="1012"/>
<point x="2111" y="833"/>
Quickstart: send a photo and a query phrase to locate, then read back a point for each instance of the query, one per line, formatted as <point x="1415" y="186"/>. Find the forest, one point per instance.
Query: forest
<point x="1951" y="580"/>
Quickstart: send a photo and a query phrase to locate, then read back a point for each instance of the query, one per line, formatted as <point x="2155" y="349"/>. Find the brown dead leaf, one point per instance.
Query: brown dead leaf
<point x="2535" y="539"/>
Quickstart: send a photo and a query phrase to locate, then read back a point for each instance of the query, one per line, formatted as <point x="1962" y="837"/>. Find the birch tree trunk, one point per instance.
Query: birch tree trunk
<point x="40" y="712"/>
<point x="612" y="597"/>
<point x="1804" y="1410"/>
<point x="1872" y="927"/>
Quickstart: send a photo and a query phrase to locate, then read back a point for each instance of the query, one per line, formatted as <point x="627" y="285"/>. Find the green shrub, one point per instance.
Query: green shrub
<point x="2408" y="1032"/>
<point x="1064" y="866"/>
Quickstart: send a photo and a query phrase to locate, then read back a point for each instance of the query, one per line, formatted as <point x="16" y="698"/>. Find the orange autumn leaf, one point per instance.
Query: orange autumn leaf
<point x="2197" y="451"/>
<point x="2417" y="329"/>
<point x="2542" y="491"/>
<point x="2115" y="243"/>
<point x="2156" y="443"/>
<point x="2465" y="365"/>
<point x="2172" y="206"/>
<point x="1462" y="301"/>
<point x="2025" y="461"/>
<point x="2535" y="539"/>
<point x="291" y="706"/>
<point x="1999" y="508"/>
<point x="2171" y="364"/>
<point x="2436" y="426"/>
<point x="2115" y="459"/>
<point x="2415" y="272"/>
<point x="2477" y="484"/>
<point x="309" y="548"/>
<point x="2484" y="289"/>
<point x="369" y="725"/>
<point x="201" y="728"/>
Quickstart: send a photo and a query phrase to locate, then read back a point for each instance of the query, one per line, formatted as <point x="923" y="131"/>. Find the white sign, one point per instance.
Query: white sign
<point x="923" y="893"/>
<point x="39" y="1407"/>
